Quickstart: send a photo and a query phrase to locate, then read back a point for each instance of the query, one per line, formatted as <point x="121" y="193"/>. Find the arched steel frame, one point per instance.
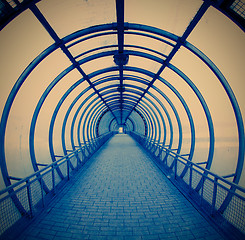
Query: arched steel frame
<point x="117" y="102"/>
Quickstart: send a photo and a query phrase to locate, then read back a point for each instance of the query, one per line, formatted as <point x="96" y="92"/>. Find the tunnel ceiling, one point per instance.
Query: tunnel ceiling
<point x="80" y="69"/>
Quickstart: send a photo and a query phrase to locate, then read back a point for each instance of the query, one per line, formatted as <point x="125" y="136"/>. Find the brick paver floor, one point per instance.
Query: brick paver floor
<point x="120" y="194"/>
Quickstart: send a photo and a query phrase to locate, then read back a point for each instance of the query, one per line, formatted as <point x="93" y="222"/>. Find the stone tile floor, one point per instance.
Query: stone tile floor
<point x="120" y="194"/>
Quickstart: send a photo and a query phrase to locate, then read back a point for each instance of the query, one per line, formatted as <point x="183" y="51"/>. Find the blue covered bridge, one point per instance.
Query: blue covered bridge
<point x="122" y="119"/>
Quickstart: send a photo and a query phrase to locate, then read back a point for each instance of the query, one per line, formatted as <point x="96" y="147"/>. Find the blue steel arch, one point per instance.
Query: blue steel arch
<point x="209" y="119"/>
<point x="146" y="128"/>
<point x="128" y="96"/>
<point x="133" y="124"/>
<point x="177" y="94"/>
<point x="108" y="79"/>
<point x="172" y="106"/>
<point x="144" y="116"/>
<point x="131" y="98"/>
<point x="96" y="83"/>
<point x="131" y="105"/>
<point x="98" y="122"/>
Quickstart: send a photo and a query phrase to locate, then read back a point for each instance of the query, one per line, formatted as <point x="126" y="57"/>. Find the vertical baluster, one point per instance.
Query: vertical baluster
<point x="53" y="178"/>
<point x="175" y="167"/>
<point x="42" y="191"/>
<point x="202" y="189"/>
<point x="28" y="188"/>
<point x="68" y="168"/>
<point x="214" y="195"/>
<point x="190" y="178"/>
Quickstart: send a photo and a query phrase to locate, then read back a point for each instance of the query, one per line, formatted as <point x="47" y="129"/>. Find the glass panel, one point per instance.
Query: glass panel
<point x="63" y="86"/>
<point x="173" y="16"/>
<point x="145" y="50"/>
<point x="114" y="89"/>
<point x="97" y="64"/>
<point x="144" y="63"/>
<point x="17" y="132"/>
<point x="20" y="44"/>
<point x="94" y="43"/>
<point x="136" y="74"/>
<point x="220" y="109"/>
<point x="104" y="75"/>
<point x="223" y="42"/>
<point x="163" y="114"/>
<point x="176" y="103"/>
<point x="135" y="83"/>
<point x="131" y="94"/>
<point x="110" y="94"/>
<point x="132" y="88"/>
<point x="147" y="42"/>
<point x="69" y="16"/>
<point x="104" y="123"/>
<point x="139" y="124"/>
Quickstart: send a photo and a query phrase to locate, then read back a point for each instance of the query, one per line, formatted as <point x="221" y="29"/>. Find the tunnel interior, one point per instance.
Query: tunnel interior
<point x="169" y="73"/>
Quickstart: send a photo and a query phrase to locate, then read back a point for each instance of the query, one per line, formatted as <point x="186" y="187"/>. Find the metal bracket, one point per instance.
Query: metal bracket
<point x="14" y="178"/>
<point x="121" y="58"/>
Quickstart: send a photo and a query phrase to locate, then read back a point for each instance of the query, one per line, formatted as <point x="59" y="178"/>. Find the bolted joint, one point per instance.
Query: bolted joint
<point x="121" y="89"/>
<point x="121" y="58"/>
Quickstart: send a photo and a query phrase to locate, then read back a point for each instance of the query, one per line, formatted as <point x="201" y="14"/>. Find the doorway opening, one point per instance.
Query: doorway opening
<point x="120" y="130"/>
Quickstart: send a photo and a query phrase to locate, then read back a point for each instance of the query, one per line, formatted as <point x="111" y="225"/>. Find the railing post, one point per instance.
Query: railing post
<point x="214" y="195"/>
<point x="190" y="179"/>
<point x="202" y="188"/>
<point x="53" y="178"/>
<point x="77" y="155"/>
<point x="68" y="168"/>
<point x="28" y="188"/>
<point x="175" y="168"/>
<point x="42" y="192"/>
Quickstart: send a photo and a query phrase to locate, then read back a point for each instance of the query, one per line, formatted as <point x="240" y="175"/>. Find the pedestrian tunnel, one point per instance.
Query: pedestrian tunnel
<point x="168" y="73"/>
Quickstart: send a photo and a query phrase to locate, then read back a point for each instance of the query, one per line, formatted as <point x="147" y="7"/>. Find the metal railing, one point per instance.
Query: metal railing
<point x="27" y="197"/>
<point x="220" y="198"/>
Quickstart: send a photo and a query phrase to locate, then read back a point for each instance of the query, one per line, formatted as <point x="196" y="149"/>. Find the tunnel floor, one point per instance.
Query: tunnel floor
<point x="120" y="194"/>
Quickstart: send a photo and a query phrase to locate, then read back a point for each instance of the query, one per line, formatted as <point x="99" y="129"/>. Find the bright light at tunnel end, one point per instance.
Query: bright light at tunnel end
<point x="120" y="130"/>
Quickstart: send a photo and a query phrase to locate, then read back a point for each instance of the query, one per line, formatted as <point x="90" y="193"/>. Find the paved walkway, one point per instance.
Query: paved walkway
<point x="120" y="194"/>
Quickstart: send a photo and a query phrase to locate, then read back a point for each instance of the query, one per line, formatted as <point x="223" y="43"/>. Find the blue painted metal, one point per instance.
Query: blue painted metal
<point x="185" y="105"/>
<point x="52" y="122"/>
<point x="131" y="91"/>
<point x="145" y="82"/>
<point x="35" y="116"/>
<point x="66" y="118"/>
<point x="80" y="120"/>
<point x="95" y="109"/>
<point x="105" y="31"/>
<point x="109" y="29"/>
<point x="217" y="185"/>
<point x="179" y="42"/>
<point x="4" y="120"/>
<point x="237" y="112"/>
<point x="181" y="100"/>
<point x="87" y="139"/>
<point x="98" y="123"/>
<point x="206" y="111"/>
<point x="149" y="109"/>
<point x="109" y="126"/>
<point x="140" y="54"/>
<point x="145" y="118"/>
<point x="120" y="24"/>
<point x="61" y="44"/>
<point x="8" y="106"/>
<point x="133" y="124"/>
